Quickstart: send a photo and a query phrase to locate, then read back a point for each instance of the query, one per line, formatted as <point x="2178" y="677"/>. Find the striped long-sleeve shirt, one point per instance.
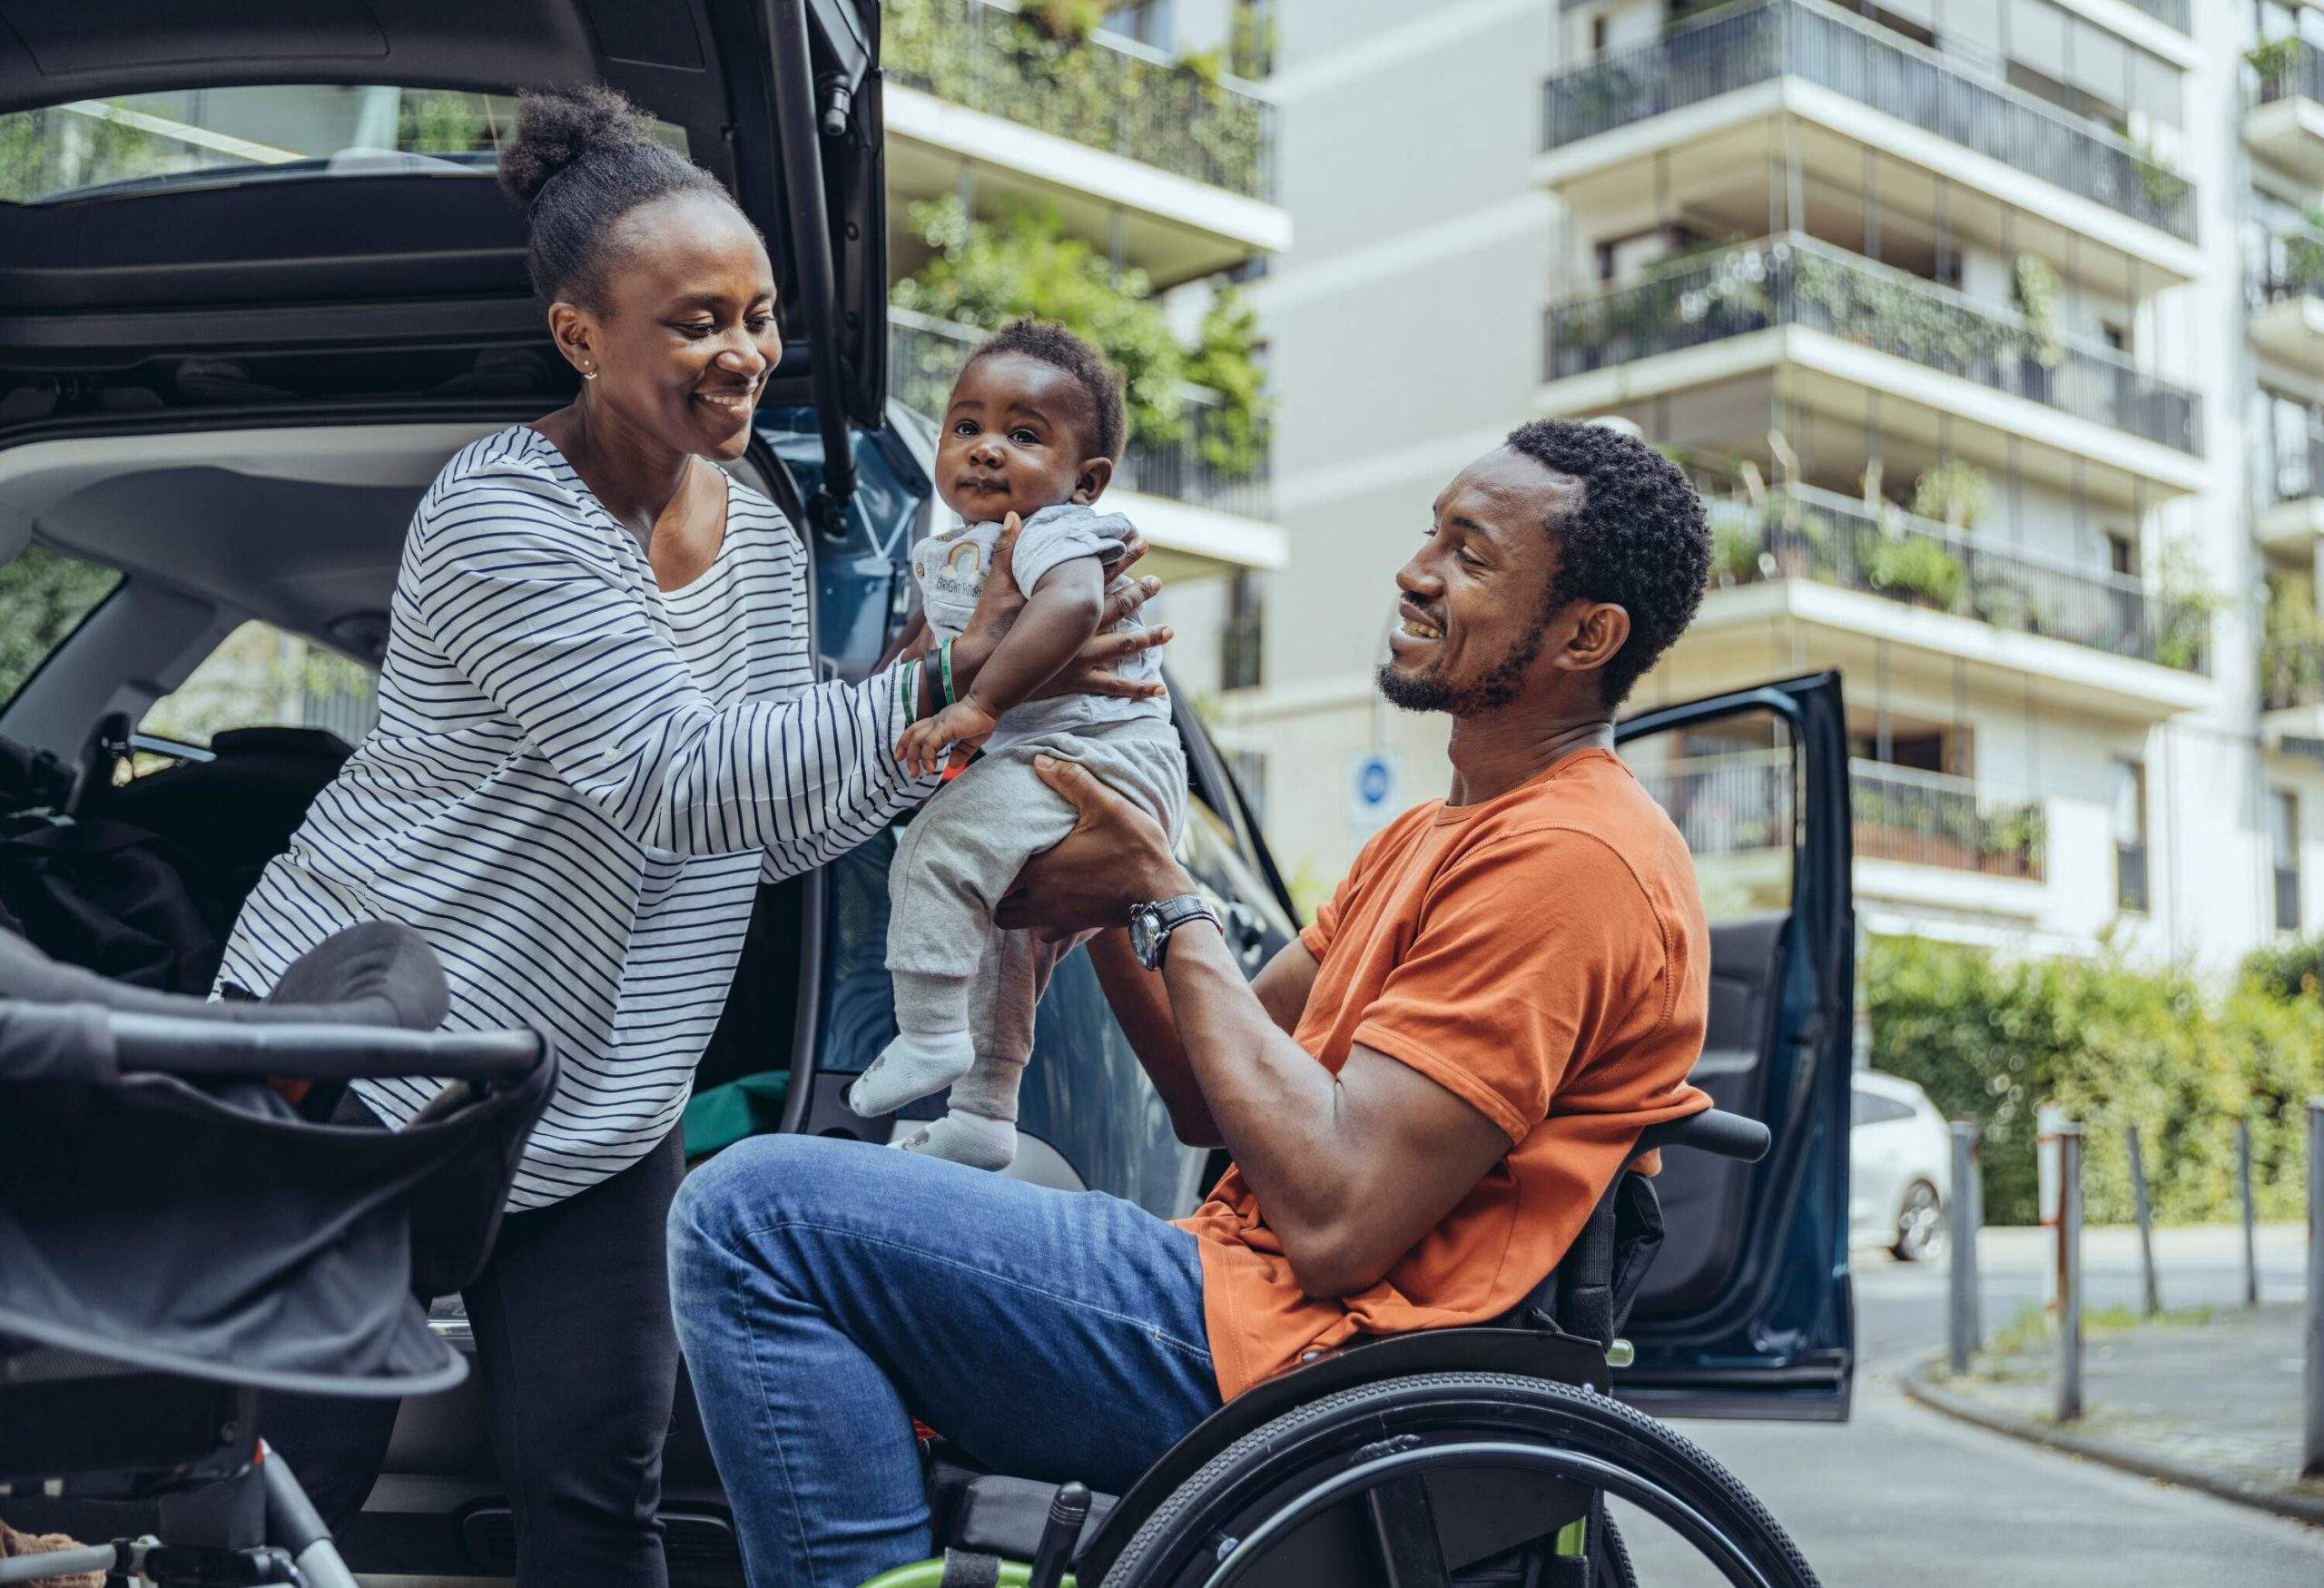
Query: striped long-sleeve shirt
<point x="577" y="783"/>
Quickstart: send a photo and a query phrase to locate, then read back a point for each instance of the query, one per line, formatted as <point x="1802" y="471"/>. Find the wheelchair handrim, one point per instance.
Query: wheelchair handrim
<point x="1650" y="1497"/>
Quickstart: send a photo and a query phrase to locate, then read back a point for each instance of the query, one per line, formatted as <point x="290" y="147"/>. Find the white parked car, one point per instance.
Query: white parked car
<point x="1900" y="1166"/>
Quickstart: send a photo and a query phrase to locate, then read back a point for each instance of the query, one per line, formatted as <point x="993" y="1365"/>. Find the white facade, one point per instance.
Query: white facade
<point x="1475" y="249"/>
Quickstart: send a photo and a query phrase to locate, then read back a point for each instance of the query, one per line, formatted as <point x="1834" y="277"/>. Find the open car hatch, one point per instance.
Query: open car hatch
<point x="217" y="204"/>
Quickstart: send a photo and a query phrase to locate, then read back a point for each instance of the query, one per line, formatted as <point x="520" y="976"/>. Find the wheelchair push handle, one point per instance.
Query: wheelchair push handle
<point x="1713" y="1130"/>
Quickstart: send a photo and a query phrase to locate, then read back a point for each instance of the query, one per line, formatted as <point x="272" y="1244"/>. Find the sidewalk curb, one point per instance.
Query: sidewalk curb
<point x="1920" y="1383"/>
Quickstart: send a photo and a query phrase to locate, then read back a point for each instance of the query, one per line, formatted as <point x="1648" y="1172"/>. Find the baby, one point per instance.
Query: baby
<point x="1032" y="429"/>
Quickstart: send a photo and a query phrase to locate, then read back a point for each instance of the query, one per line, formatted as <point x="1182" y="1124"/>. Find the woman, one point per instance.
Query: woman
<point x="599" y="728"/>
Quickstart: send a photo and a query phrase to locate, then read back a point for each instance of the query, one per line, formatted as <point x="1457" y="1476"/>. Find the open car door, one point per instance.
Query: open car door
<point x="1746" y="1312"/>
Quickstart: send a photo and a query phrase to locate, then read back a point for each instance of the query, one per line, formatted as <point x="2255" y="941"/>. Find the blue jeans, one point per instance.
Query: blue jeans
<point x="827" y="1291"/>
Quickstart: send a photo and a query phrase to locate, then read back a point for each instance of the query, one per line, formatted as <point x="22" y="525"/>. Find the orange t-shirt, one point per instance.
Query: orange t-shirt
<point x="1542" y="956"/>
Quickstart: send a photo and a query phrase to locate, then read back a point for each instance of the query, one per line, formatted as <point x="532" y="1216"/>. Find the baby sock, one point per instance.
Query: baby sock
<point x="931" y="1050"/>
<point x="980" y="1126"/>
<point x="967" y="1138"/>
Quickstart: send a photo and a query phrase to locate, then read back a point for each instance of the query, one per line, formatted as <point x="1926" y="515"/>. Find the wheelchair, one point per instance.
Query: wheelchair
<point x="1477" y="1458"/>
<point x="175" y="1238"/>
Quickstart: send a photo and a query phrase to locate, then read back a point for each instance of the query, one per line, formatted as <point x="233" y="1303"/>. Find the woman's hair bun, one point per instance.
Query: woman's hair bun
<point x="557" y="126"/>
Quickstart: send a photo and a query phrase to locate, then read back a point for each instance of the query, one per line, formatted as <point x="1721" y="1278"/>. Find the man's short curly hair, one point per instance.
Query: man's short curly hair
<point x="1054" y="345"/>
<point x="1638" y="537"/>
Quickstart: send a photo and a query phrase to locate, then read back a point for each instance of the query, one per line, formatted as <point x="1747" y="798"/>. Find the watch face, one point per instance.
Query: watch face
<point x="1144" y="935"/>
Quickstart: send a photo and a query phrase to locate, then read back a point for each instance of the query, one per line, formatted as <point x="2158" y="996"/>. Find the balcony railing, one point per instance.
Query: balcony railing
<point x="1741" y="803"/>
<point x="2288" y="265"/>
<point x="2291" y="674"/>
<point x="1795" y="280"/>
<point x="1734" y="803"/>
<point x="925" y="355"/>
<point x="1925" y="818"/>
<point x="1112" y="95"/>
<point x="2298" y="470"/>
<point x="1863" y="62"/>
<point x="2298" y="73"/>
<point x="1811" y="533"/>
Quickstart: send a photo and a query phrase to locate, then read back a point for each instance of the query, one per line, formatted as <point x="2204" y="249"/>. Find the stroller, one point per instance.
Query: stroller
<point x="176" y="1238"/>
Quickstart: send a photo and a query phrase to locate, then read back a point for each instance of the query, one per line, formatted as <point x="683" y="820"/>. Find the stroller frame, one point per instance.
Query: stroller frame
<point x="113" y="1422"/>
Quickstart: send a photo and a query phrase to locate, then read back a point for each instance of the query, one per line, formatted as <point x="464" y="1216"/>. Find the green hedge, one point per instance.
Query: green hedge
<point x="1993" y="1040"/>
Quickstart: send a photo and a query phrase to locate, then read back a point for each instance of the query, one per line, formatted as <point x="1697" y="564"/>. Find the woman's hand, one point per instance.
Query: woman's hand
<point x="1116" y="856"/>
<point x="1092" y="670"/>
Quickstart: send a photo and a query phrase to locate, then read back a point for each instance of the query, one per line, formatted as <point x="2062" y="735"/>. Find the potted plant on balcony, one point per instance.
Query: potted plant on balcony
<point x="2274" y="63"/>
<point x="2304" y="257"/>
<point x="2162" y="187"/>
<point x="2014" y="841"/>
<point x="2184" y="605"/>
<point x="1955" y="492"/>
<point x="1916" y="568"/>
<point x="2291" y="643"/>
<point x="986" y="273"/>
<point x="1738" y="545"/>
<point x="2034" y="283"/>
<point x="1067" y="21"/>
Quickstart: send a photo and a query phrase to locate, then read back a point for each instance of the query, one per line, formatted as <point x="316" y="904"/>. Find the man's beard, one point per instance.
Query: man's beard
<point x="1430" y="691"/>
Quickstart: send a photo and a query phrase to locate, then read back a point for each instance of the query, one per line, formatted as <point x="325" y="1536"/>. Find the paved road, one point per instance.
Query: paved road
<point x="1901" y="1496"/>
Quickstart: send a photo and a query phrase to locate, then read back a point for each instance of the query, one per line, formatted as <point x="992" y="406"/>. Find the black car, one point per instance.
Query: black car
<point x="225" y="376"/>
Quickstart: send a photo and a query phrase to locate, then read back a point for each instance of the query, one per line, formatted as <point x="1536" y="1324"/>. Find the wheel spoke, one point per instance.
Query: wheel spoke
<point x="1403" y="1526"/>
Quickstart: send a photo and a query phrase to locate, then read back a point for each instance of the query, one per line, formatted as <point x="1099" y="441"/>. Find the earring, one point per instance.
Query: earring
<point x="589" y="374"/>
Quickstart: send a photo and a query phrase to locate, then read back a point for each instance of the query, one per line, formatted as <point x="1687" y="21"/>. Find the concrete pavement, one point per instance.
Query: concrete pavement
<point x="1902" y="1496"/>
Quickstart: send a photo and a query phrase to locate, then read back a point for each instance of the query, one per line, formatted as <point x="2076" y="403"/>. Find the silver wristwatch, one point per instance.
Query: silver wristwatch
<point x="1150" y="925"/>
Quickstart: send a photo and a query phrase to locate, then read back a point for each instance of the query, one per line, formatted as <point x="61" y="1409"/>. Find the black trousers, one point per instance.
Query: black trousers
<point x="579" y="1364"/>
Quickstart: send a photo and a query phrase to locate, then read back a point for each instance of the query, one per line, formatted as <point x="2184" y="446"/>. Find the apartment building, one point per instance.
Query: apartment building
<point x="1990" y="330"/>
<point x="1167" y="172"/>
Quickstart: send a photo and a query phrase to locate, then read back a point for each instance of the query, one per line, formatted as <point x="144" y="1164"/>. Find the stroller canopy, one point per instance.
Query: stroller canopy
<point x="162" y="1208"/>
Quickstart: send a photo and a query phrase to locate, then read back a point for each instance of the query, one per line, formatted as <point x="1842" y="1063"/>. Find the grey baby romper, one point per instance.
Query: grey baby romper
<point x="951" y="966"/>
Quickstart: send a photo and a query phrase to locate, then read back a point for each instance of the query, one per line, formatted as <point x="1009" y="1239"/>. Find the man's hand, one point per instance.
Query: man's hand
<point x="957" y="729"/>
<point x="1116" y="856"/>
<point x="1093" y="670"/>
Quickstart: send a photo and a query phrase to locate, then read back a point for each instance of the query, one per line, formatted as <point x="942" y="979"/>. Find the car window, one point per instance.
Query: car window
<point x="1867" y="1108"/>
<point x="43" y="598"/>
<point x="219" y="136"/>
<point x="260" y="676"/>
<point x="1727" y="785"/>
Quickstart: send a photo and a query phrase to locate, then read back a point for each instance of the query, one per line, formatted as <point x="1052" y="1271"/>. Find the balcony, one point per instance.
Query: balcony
<point x="1804" y="533"/>
<point x="1729" y="807"/>
<point x="2285" y="125"/>
<point x="1804" y="59"/>
<point x="1847" y="327"/>
<point x="1925" y="818"/>
<point x="2293" y="515"/>
<point x="1200" y="518"/>
<point x="1808" y="579"/>
<point x="2287" y="294"/>
<point x="1171" y="164"/>
<point x="2292" y="696"/>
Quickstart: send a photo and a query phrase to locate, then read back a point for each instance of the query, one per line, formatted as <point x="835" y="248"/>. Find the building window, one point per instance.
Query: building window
<point x="2130" y="836"/>
<point x="2283" y="851"/>
<point x="1242" y="641"/>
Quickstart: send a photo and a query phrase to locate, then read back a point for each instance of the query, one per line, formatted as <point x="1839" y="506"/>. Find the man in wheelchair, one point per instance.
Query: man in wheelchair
<point x="1426" y="1096"/>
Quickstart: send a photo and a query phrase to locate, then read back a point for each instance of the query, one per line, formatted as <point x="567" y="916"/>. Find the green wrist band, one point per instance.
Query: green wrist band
<point x="945" y="656"/>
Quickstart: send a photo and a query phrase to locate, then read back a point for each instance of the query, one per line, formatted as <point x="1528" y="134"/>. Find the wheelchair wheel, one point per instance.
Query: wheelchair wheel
<point x="1408" y="1471"/>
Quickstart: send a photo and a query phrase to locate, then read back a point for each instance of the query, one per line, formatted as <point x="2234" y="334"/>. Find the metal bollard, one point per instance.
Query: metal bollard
<point x="2069" y="1270"/>
<point x="2311" y="1462"/>
<point x="2146" y="1220"/>
<point x="1964" y="1325"/>
<point x="2251" y="1217"/>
